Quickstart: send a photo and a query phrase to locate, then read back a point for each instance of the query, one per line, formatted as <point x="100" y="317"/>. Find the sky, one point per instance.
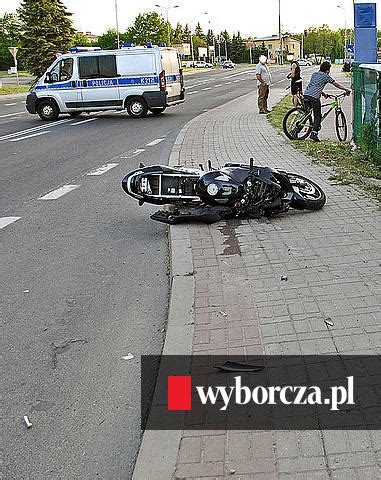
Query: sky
<point x="251" y="17"/>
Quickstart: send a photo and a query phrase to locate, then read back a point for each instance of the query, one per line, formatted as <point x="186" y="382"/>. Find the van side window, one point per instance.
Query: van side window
<point x="62" y="71"/>
<point x="97" y="67"/>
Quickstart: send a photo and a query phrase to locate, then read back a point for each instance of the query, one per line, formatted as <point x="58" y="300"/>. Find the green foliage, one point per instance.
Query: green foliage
<point x="322" y="41"/>
<point x="9" y="37"/>
<point x="80" y="40"/>
<point x="178" y="35"/>
<point x="148" y="27"/>
<point x="238" y="49"/>
<point x="366" y="140"/>
<point x="46" y="29"/>
<point x="109" y="40"/>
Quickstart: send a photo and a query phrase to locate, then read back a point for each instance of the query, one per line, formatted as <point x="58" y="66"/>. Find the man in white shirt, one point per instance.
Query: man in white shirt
<point x="263" y="81"/>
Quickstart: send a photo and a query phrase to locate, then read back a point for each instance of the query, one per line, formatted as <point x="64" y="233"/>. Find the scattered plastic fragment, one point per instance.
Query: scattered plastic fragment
<point x="162" y="330"/>
<point x="284" y="278"/>
<point x="328" y="322"/>
<point x="25" y="291"/>
<point x="224" y="314"/>
<point x="129" y="356"/>
<point x="232" y="471"/>
<point x="239" y="367"/>
<point x="27" y="422"/>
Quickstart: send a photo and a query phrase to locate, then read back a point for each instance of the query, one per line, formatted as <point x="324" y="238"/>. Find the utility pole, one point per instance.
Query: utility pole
<point x="117" y="24"/>
<point x="280" y="37"/>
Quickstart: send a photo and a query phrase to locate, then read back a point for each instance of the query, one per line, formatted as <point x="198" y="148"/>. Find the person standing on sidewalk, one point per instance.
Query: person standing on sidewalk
<point x="314" y="91"/>
<point x="296" y="82"/>
<point x="263" y="82"/>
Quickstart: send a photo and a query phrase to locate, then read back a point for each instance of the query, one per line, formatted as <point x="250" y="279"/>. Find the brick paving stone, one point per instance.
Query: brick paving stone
<point x="332" y="260"/>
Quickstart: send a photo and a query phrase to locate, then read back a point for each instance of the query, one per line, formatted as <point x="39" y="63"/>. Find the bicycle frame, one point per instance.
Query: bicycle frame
<point x="334" y="105"/>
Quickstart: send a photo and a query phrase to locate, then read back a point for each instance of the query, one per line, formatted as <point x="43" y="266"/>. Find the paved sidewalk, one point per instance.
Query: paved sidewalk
<point x="332" y="260"/>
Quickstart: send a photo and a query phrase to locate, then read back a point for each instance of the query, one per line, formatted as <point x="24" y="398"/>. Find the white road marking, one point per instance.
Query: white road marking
<point x="34" y="129"/>
<point x="235" y="81"/>
<point x="155" y="142"/>
<point x="4" y="221"/>
<point x="12" y="114"/>
<point x="219" y="85"/>
<point x="137" y="152"/>
<point x="10" y="104"/>
<point x="103" y="169"/>
<point x="58" y="192"/>
<point x="29" y="136"/>
<point x="240" y="73"/>
<point x="228" y="83"/>
<point x="191" y="93"/>
<point x="83" y="121"/>
<point x="207" y="88"/>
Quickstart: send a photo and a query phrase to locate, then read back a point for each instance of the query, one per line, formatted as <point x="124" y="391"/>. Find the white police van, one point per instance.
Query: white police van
<point x="138" y="79"/>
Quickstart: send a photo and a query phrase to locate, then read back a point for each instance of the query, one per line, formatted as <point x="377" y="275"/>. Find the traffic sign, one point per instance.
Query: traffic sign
<point x="350" y="48"/>
<point x="13" y="51"/>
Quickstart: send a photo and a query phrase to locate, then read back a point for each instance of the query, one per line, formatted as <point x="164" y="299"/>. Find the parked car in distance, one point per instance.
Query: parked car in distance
<point x="228" y="64"/>
<point x="202" y="64"/>
<point x="303" y="62"/>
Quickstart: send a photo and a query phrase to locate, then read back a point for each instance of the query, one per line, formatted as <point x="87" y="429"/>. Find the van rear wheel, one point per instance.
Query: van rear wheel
<point x="136" y="107"/>
<point x="48" y="110"/>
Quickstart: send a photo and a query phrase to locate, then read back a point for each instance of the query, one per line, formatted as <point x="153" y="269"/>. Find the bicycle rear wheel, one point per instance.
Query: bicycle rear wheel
<point x="341" y="126"/>
<point x="297" y="124"/>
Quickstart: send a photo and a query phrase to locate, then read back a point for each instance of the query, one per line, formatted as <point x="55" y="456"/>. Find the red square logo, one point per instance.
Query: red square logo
<point x="179" y="392"/>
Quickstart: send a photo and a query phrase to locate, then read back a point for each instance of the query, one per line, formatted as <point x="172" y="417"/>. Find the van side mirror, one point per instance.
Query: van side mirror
<point x="48" y="78"/>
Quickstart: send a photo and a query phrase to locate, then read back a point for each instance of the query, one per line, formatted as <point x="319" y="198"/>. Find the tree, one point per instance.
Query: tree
<point x="148" y="27"/>
<point x="225" y="44"/>
<point x="178" y="34"/>
<point x="237" y="53"/>
<point x="79" y="39"/>
<point x="109" y="40"/>
<point x="198" y="32"/>
<point x="46" y="29"/>
<point x="9" y="37"/>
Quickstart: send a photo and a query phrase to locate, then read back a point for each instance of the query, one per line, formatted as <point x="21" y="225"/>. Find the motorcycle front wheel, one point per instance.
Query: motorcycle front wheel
<point x="311" y="192"/>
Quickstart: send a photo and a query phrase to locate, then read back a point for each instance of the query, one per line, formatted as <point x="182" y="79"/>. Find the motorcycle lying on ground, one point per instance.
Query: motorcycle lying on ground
<point x="235" y="190"/>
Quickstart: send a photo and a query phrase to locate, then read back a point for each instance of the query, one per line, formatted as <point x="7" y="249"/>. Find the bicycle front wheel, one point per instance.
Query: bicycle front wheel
<point x="341" y="126"/>
<point x="297" y="124"/>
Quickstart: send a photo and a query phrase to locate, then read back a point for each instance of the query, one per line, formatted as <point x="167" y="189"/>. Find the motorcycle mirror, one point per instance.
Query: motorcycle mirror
<point x="251" y="164"/>
<point x="201" y="166"/>
<point x="209" y="165"/>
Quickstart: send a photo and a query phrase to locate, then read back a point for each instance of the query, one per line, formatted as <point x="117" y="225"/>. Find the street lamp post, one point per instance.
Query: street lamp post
<point x="117" y="24"/>
<point x="191" y="35"/>
<point x="280" y="37"/>
<point x="345" y="32"/>
<point x="168" y="25"/>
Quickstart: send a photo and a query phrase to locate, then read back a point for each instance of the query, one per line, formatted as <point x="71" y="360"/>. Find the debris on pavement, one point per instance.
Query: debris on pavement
<point x="27" y="422"/>
<point x="328" y="322"/>
<point x="129" y="356"/>
<point x="232" y="471"/>
<point x="239" y="367"/>
<point x="224" y="314"/>
<point x="284" y="278"/>
<point x="26" y="291"/>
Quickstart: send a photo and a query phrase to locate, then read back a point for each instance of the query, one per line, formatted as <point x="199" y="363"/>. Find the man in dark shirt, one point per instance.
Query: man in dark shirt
<point x="314" y="91"/>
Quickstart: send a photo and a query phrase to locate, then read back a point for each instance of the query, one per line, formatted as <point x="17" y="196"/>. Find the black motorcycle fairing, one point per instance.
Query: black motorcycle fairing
<point x="217" y="187"/>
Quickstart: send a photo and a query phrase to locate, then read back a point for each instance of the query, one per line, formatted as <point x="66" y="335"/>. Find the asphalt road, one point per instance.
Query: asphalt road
<point x="84" y="280"/>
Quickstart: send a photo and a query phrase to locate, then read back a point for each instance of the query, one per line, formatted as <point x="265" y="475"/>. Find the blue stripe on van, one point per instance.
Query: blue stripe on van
<point x="103" y="82"/>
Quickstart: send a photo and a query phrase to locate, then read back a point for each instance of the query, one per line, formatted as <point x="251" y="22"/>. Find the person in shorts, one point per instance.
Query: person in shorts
<point x="296" y="82"/>
<point x="314" y="91"/>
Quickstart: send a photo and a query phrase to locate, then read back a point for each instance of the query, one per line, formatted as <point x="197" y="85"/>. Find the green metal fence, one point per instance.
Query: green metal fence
<point x="366" y="86"/>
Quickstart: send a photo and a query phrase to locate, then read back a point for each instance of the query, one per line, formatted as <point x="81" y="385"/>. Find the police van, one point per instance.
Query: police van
<point x="138" y="79"/>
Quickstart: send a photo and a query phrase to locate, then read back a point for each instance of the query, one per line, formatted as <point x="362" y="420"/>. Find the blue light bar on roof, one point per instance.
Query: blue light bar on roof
<point x="149" y="44"/>
<point x="84" y="49"/>
<point x="128" y="44"/>
<point x="163" y="44"/>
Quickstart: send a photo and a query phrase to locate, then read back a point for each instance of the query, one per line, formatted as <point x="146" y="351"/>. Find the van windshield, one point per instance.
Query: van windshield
<point x="62" y="71"/>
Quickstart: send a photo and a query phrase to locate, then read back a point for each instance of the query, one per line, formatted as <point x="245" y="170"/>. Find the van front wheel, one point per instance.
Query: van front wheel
<point x="137" y="108"/>
<point x="48" y="110"/>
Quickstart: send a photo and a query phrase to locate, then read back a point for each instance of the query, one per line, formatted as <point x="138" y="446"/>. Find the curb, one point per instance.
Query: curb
<point x="157" y="455"/>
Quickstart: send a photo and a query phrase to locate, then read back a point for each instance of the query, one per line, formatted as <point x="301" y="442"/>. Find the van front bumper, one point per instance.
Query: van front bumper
<point x="31" y="102"/>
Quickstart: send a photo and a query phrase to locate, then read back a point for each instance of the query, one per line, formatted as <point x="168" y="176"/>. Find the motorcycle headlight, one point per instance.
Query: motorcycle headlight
<point x="212" y="189"/>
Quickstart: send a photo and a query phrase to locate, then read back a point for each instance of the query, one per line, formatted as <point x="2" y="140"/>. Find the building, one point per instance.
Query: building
<point x="90" y="37"/>
<point x="291" y="46"/>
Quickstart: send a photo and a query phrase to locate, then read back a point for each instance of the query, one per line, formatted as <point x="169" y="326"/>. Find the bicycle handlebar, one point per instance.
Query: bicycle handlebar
<point x="329" y="95"/>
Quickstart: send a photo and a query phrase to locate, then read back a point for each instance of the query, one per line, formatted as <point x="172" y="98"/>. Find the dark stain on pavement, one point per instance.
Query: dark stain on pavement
<point x="231" y="242"/>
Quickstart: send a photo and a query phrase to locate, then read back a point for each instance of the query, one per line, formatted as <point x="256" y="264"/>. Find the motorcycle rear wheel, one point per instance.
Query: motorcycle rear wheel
<point x="311" y="192"/>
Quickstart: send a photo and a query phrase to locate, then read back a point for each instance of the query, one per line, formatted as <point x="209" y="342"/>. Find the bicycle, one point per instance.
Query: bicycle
<point x="297" y="123"/>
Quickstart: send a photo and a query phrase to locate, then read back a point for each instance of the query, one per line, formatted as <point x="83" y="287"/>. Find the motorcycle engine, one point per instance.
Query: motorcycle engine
<point x="218" y="188"/>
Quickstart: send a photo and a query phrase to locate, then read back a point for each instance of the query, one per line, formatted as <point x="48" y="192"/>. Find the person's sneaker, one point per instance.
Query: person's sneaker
<point x="262" y="113"/>
<point x="268" y="111"/>
<point x="314" y="137"/>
